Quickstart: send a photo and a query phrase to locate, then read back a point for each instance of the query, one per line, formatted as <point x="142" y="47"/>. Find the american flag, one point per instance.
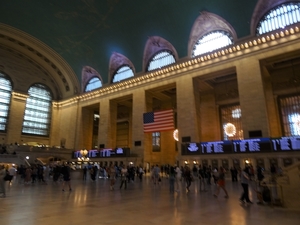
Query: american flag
<point x="158" y="121"/>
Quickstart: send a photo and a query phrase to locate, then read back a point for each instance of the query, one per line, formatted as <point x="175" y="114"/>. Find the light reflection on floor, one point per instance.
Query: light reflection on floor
<point x="142" y="203"/>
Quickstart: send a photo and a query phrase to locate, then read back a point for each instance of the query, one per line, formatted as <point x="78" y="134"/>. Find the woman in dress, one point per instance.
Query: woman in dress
<point x="221" y="183"/>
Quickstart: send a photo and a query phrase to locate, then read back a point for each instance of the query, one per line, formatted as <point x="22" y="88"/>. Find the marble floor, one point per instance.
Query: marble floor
<point x="142" y="203"/>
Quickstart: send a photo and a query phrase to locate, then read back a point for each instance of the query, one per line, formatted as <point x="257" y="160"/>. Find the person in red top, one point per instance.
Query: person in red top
<point x="221" y="183"/>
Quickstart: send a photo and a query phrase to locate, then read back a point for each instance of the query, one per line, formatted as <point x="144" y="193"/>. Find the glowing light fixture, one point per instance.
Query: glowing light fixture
<point x="175" y="135"/>
<point x="84" y="157"/>
<point x="230" y="129"/>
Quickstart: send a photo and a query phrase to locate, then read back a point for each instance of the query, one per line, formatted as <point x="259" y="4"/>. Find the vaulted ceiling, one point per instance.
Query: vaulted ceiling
<point x="87" y="32"/>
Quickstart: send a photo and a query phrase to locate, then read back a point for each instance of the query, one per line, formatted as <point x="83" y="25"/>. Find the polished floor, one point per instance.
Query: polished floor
<point x="142" y="203"/>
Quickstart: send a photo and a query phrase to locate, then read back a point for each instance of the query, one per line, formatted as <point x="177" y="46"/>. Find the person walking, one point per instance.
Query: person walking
<point x="188" y="177"/>
<point x="172" y="179"/>
<point x="2" y="181"/>
<point x="178" y="178"/>
<point x="124" y="174"/>
<point x="66" y="172"/>
<point x="221" y="183"/>
<point x="111" y="170"/>
<point x="245" y="178"/>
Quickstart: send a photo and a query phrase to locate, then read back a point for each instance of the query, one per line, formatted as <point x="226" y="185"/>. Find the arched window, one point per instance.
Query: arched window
<point x="93" y="84"/>
<point x="160" y="60"/>
<point x="38" y="111"/>
<point x="122" y="73"/>
<point x="231" y="122"/>
<point x="279" y="17"/>
<point x="5" y="96"/>
<point x="212" y="41"/>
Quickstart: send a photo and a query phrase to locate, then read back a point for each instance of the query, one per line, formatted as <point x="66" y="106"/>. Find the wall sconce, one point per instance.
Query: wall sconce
<point x="185" y="162"/>
<point x="195" y="163"/>
<point x="247" y="161"/>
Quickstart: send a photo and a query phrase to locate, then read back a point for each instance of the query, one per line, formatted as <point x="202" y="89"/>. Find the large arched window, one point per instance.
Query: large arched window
<point x="160" y="60"/>
<point x="231" y="122"/>
<point x="212" y="41"/>
<point x="5" y="96"/>
<point x="279" y="17"/>
<point x="38" y="111"/>
<point x="93" y="84"/>
<point x="122" y="73"/>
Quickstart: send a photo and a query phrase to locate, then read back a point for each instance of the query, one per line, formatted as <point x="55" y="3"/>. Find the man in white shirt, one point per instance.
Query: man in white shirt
<point x="12" y="173"/>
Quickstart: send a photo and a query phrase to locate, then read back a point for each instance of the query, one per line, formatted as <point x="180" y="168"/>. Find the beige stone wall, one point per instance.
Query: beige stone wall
<point x="252" y="96"/>
<point x="67" y="125"/>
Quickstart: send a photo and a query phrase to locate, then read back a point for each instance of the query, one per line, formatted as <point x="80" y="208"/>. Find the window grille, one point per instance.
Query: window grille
<point x="38" y="111"/>
<point x="279" y="17"/>
<point x="156" y="141"/>
<point x="290" y="115"/>
<point x="160" y="60"/>
<point x="123" y="73"/>
<point x="231" y="122"/>
<point x="93" y="84"/>
<point x="5" y="96"/>
<point x="212" y="41"/>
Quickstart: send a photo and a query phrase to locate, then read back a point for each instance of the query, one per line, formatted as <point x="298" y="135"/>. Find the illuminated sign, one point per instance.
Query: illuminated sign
<point x="216" y="147"/>
<point x="190" y="149"/>
<point x="286" y="144"/>
<point x="252" y="145"/>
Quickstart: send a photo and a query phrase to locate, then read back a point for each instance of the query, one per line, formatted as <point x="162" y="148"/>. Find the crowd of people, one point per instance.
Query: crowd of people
<point x="203" y="175"/>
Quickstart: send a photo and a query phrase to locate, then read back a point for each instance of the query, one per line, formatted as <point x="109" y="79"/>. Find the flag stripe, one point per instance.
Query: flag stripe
<point x="158" y="121"/>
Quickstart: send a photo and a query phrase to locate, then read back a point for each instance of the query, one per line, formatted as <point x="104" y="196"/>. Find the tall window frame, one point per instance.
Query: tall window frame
<point x="161" y="59"/>
<point x="212" y="41"/>
<point x="279" y="17"/>
<point x="5" y="100"/>
<point x="231" y="122"/>
<point x="156" y="140"/>
<point x="38" y="110"/>
<point x="289" y="107"/>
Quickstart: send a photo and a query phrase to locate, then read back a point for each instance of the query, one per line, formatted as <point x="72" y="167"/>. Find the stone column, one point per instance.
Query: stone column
<point x="187" y="122"/>
<point x="16" y="116"/>
<point x="252" y="97"/>
<point x="105" y="124"/>
<point x="138" y="108"/>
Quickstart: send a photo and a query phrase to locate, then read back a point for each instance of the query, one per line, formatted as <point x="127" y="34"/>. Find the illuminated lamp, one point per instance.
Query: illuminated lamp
<point x="84" y="157"/>
<point x="175" y="135"/>
<point x="229" y="129"/>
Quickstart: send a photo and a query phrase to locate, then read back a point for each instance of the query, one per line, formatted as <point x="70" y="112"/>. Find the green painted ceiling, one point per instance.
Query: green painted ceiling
<point x="86" y="32"/>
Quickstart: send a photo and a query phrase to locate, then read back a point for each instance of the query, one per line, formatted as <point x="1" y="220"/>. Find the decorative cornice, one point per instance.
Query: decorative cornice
<point x="19" y="96"/>
<point x="242" y="48"/>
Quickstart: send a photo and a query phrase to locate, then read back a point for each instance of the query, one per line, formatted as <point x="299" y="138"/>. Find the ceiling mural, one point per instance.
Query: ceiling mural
<point x="88" y="32"/>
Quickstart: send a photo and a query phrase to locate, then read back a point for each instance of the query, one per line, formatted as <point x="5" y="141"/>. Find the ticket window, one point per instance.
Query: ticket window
<point x="287" y="162"/>
<point x="260" y="163"/>
<point x="225" y="164"/>
<point x="236" y="163"/>
<point x="214" y="164"/>
<point x="205" y="162"/>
